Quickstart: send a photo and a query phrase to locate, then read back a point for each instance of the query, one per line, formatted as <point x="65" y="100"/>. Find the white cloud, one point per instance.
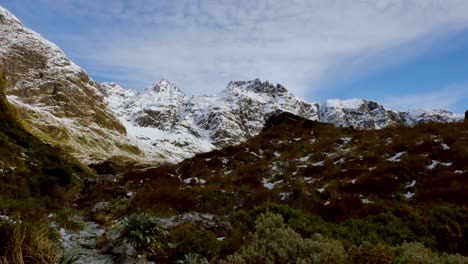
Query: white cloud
<point x="202" y="45"/>
<point x="446" y="98"/>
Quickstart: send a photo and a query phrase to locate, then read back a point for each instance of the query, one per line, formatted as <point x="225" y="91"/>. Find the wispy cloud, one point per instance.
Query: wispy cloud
<point x="451" y="97"/>
<point x="202" y="45"/>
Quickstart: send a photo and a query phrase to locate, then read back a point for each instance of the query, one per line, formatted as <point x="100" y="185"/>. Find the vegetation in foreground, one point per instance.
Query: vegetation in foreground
<point x="390" y="189"/>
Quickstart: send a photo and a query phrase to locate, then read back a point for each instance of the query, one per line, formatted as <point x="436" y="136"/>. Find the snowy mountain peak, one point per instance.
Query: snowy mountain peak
<point x="256" y="86"/>
<point x="163" y="86"/>
<point x="358" y="113"/>
<point x="7" y="17"/>
<point x="413" y="117"/>
<point x="344" y="104"/>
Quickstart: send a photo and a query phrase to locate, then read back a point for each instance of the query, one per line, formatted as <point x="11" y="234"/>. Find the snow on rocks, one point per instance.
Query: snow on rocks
<point x="432" y="165"/>
<point x="396" y="157"/>
<point x="270" y="185"/>
<point x="411" y="184"/>
<point x="318" y="164"/>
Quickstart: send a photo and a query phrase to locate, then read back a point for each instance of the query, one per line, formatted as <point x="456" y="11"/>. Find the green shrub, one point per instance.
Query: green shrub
<point x="273" y="242"/>
<point x="368" y="253"/>
<point x="142" y="230"/>
<point x="415" y="253"/>
<point x="189" y="239"/>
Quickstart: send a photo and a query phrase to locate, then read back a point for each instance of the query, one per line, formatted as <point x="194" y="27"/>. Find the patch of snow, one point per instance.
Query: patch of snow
<point x="366" y="201"/>
<point x="197" y="180"/>
<point x="409" y="195"/>
<point x="319" y="164"/>
<point x="284" y="195"/>
<point x="458" y="172"/>
<point x="433" y="165"/>
<point x="326" y="203"/>
<point x="277" y="154"/>
<point x="340" y="161"/>
<point x="397" y="156"/>
<point x="347" y="104"/>
<point x="346" y="139"/>
<point x="270" y="185"/>
<point x="304" y="159"/>
<point x="445" y="146"/>
<point x="411" y="184"/>
<point x="446" y="164"/>
<point x="321" y="190"/>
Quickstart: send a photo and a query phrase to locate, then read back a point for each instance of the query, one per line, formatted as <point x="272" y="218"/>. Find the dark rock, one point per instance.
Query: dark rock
<point x="105" y="167"/>
<point x="210" y="222"/>
<point x="100" y="207"/>
<point x="126" y="253"/>
<point x="282" y="118"/>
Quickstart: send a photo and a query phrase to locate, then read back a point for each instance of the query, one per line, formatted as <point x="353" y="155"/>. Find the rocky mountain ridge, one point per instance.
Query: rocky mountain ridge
<point x="163" y="115"/>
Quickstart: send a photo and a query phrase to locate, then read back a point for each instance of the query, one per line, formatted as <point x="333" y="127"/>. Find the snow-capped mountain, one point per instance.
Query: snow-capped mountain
<point x="166" y="118"/>
<point x="413" y="117"/>
<point x="364" y="114"/>
<point x="358" y="113"/>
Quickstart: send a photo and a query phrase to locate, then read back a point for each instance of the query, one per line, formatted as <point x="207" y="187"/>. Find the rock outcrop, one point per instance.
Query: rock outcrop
<point x="358" y="113"/>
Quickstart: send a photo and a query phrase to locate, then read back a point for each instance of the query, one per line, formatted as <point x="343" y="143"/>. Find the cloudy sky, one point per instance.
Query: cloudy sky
<point x="403" y="53"/>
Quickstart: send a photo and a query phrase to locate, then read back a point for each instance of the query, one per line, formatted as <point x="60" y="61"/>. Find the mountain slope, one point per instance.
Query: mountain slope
<point x="57" y="100"/>
<point x="30" y="168"/>
<point x="396" y="177"/>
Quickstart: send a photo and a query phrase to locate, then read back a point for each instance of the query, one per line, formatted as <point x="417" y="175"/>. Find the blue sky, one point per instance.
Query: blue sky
<point x="405" y="54"/>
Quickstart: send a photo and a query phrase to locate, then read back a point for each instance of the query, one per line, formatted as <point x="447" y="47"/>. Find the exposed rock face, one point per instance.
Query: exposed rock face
<point x="165" y="117"/>
<point x="363" y="114"/>
<point x="358" y="113"/>
<point x="56" y="99"/>
<point x="425" y="115"/>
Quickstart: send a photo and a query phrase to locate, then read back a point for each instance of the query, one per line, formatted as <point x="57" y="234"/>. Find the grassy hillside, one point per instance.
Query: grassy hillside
<point x="357" y="186"/>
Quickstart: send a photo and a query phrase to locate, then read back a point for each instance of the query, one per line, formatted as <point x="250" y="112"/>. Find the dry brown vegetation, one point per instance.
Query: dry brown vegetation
<point x="350" y="178"/>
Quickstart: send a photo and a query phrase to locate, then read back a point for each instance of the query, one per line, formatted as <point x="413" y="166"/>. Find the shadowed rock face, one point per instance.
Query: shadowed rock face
<point x="466" y="116"/>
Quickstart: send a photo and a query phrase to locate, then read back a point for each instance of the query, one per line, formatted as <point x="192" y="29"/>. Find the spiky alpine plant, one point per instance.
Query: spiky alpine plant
<point x="142" y="230"/>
